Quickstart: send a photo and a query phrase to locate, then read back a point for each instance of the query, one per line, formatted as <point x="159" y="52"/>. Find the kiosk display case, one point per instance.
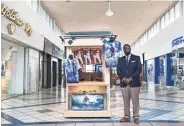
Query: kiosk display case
<point x="88" y="99"/>
<point x="91" y="96"/>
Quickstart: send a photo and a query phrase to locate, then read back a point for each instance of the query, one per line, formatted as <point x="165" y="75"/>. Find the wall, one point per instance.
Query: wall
<point x="161" y="44"/>
<point x="39" y="26"/>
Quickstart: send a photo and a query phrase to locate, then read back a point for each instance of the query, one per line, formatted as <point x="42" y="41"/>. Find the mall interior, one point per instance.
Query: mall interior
<point x="55" y="67"/>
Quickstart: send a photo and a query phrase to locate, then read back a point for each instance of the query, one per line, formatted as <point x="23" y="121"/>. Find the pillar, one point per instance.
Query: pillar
<point x="157" y="70"/>
<point x="169" y="81"/>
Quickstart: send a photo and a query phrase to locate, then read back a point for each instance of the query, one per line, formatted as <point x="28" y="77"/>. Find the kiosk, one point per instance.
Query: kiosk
<point x="91" y="96"/>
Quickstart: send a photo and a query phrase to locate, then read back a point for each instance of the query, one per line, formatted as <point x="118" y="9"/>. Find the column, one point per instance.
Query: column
<point x="145" y="71"/>
<point x="169" y="81"/>
<point x="157" y="70"/>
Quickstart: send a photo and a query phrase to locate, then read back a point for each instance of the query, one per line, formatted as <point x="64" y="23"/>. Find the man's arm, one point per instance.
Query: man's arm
<point x="138" y="68"/>
<point x="119" y="72"/>
<point x="119" y="69"/>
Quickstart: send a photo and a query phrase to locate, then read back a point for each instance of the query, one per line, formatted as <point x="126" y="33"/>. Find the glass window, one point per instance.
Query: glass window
<point x="172" y="15"/>
<point x="158" y="27"/>
<point x="167" y="19"/>
<point x="146" y="36"/>
<point x="155" y="29"/>
<point x="35" y="5"/>
<point x="50" y="21"/>
<point x="162" y="23"/>
<point x="43" y="12"/>
<point x="177" y="10"/>
<point x="151" y="32"/>
<point x="53" y="25"/>
<point x="29" y="3"/>
<point x="183" y="7"/>
<point x="141" y="41"/>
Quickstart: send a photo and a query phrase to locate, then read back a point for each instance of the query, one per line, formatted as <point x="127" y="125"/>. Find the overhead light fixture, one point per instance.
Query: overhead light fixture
<point x="109" y="12"/>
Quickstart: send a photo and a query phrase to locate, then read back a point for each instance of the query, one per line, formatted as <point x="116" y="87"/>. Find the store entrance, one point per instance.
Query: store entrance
<point x="162" y="74"/>
<point x="33" y="75"/>
<point x="178" y="68"/>
<point x="54" y="72"/>
<point x="12" y="57"/>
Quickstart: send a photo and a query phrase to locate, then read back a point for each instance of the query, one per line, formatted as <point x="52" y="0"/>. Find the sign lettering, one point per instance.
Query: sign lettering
<point x="178" y="41"/>
<point x="28" y="29"/>
<point x="11" y="14"/>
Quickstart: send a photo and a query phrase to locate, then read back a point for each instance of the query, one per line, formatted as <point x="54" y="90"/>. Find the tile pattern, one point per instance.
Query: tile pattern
<point x="157" y="105"/>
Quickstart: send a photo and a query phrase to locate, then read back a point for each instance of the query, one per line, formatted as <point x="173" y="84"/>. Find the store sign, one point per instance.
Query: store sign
<point x="56" y="51"/>
<point x="28" y="29"/>
<point x="178" y="41"/>
<point x="11" y="29"/>
<point x="11" y="14"/>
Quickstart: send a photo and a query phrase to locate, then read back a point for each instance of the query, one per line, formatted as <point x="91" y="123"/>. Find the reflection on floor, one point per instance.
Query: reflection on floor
<point x="158" y="105"/>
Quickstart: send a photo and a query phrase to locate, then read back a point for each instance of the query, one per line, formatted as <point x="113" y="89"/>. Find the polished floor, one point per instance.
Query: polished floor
<point x="158" y="107"/>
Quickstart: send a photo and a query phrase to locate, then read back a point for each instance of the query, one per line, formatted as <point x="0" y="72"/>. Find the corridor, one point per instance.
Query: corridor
<point x="159" y="106"/>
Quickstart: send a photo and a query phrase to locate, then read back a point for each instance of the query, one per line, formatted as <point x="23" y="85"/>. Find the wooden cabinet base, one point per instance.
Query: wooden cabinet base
<point x="92" y="114"/>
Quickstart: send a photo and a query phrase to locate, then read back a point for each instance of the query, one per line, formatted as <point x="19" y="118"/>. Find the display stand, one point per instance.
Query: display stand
<point x="88" y="88"/>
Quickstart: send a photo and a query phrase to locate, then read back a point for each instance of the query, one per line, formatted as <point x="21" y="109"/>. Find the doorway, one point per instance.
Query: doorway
<point x="54" y="72"/>
<point x="178" y="68"/>
<point x="33" y="74"/>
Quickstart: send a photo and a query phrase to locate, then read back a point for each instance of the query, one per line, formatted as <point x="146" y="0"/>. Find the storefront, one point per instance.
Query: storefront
<point x="21" y="47"/>
<point x="52" y="72"/>
<point x="177" y="61"/>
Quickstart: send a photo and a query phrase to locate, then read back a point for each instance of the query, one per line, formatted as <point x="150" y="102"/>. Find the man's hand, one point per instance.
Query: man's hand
<point x="128" y="80"/>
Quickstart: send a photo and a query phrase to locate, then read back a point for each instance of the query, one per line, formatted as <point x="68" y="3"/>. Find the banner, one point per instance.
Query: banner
<point x="88" y="56"/>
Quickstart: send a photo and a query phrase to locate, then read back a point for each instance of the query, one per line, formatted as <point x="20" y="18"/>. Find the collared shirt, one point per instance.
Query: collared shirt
<point x="128" y="57"/>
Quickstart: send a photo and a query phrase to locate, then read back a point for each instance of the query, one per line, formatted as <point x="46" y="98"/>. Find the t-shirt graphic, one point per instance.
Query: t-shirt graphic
<point x="112" y="53"/>
<point x="71" y="71"/>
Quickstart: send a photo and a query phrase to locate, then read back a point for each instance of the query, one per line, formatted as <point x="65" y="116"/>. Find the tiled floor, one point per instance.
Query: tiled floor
<point x="159" y="107"/>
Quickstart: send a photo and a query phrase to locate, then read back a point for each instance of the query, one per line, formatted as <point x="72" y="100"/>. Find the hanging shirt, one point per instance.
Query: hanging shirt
<point x="71" y="71"/>
<point x="112" y="53"/>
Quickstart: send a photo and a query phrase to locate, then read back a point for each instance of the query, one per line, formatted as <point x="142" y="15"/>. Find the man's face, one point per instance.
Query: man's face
<point x="127" y="50"/>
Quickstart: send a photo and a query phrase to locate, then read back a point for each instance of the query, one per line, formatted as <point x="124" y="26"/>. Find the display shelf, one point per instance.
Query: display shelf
<point x="88" y="114"/>
<point x="88" y="83"/>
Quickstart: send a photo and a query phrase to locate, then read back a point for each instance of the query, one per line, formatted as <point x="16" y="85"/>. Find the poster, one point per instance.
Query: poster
<point x="112" y="52"/>
<point x="88" y="56"/>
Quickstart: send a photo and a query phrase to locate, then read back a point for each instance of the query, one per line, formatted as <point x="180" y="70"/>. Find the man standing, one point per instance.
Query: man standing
<point x="129" y="69"/>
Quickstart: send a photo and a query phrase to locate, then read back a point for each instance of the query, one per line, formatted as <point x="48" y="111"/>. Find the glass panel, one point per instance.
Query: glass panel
<point x="172" y="15"/>
<point x="29" y="3"/>
<point x="158" y="26"/>
<point x="146" y="37"/>
<point x="177" y="10"/>
<point x="50" y="21"/>
<point x="167" y="19"/>
<point x="34" y="5"/>
<point x="155" y="29"/>
<point x="183" y="7"/>
<point x="178" y="67"/>
<point x="43" y="13"/>
<point x="162" y="23"/>
<point x="53" y="25"/>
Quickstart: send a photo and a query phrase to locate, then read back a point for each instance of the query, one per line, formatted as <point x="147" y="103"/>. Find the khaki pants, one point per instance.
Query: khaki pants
<point x="131" y="93"/>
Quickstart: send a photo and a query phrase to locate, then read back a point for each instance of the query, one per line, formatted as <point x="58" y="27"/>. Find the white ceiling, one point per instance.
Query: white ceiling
<point x="129" y="21"/>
